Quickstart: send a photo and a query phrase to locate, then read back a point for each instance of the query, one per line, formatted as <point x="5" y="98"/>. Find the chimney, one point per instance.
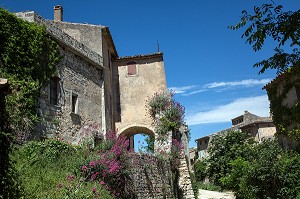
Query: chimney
<point x="58" y="13"/>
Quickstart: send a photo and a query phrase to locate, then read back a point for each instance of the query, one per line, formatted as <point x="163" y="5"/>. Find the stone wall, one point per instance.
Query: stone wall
<point x="76" y="78"/>
<point x="81" y="74"/>
<point x="153" y="178"/>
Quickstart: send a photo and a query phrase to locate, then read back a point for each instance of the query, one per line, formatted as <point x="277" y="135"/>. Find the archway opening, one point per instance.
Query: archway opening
<point x="141" y="139"/>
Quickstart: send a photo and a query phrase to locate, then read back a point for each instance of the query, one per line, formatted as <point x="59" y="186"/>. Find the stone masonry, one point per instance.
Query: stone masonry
<point x="95" y="90"/>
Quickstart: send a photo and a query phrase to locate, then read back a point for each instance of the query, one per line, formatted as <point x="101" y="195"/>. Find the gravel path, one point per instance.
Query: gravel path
<point x="205" y="194"/>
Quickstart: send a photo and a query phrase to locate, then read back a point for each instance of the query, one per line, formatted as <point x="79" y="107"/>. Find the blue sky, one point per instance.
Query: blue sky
<point x="207" y="65"/>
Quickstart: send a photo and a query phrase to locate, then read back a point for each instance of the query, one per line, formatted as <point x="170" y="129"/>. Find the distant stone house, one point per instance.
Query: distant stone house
<point x="284" y="97"/>
<point x="95" y="90"/>
<point x="258" y="127"/>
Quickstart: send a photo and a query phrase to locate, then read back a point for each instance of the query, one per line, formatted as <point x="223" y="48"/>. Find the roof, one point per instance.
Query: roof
<point x="277" y="79"/>
<point x="281" y="76"/>
<point x="248" y="119"/>
<point x="153" y="55"/>
<point x="63" y="38"/>
<point x="108" y="36"/>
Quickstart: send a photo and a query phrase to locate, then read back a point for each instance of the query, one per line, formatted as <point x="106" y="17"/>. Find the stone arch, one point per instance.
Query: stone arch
<point x="135" y="128"/>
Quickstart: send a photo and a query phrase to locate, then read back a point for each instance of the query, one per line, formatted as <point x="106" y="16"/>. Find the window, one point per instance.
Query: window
<point x="298" y="92"/>
<point x="131" y="68"/>
<point x="74" y="104"/>
<point x="54" y="85"/>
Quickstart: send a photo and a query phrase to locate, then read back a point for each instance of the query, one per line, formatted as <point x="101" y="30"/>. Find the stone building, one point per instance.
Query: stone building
<point x="258" y="127"/>
<point x="95" y="90"/>
<point x="284" y="96"/>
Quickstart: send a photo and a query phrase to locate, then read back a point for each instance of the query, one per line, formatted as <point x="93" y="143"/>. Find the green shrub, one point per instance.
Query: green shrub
<point x="44" y="170"/>
<point x="271" y="173"/>
<point x="200" y="170"/>
<point x="225" y="148"/>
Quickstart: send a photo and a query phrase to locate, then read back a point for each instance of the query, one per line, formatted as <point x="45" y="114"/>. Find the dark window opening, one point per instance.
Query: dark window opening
<point x="74" y="103"/>
<point x="131" y="68"/>
<point x="298" y="92"/>
<point x="54" y="85"/>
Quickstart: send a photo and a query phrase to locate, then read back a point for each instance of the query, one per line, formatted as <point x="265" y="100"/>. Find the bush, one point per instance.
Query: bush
<point x="44" y="170"/>
<point x="200" y="170"/>
<point x="271" y="173"/>
<point x="223" y="149"/>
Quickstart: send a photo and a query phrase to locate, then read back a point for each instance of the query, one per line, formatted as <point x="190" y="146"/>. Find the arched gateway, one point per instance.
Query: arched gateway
<point x="135" y="128"/>
<point x="137" y="78"/>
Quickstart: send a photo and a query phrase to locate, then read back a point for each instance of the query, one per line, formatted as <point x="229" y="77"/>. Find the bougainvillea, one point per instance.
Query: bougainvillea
<point x="108" y="167"/>
<point x="166" y="113"/>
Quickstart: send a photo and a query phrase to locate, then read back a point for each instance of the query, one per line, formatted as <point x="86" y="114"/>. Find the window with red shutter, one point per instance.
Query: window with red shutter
<point x="131" y="68"/>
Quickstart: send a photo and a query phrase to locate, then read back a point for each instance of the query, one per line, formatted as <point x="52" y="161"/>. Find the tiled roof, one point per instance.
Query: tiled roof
<point x="158" y="54"/>
<point x="249" y="119"/>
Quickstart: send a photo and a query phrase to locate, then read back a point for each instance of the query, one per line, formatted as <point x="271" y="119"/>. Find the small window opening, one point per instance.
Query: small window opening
<point x="298" y="92"/>
<point x="74" y="103"/>
<point x="54" y="84"/>
<point x="131" y="68"/>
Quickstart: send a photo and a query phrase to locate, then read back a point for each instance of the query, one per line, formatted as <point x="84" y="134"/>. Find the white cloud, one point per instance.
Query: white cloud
<point x="258" y="105"/>
<point x="194" y="89"/>
<point x="194" y="92"/>
<point x="246" y="82"/>
<point x="183" y="89"/>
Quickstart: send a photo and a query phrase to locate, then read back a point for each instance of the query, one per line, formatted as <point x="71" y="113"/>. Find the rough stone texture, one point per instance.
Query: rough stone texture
<point x="151" y="177"/>
<point x="75" y="74"/>
<point x="80" y="66"/>
<point x="290" y="99"/>
<point x="184" y="182"/>
<point x="87" y="34"/>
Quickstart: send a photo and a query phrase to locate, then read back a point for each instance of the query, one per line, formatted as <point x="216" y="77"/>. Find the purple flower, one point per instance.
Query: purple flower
<point x="92" y="164"/>
<point x="84" y="168"/>
<point x="94" y="189"/>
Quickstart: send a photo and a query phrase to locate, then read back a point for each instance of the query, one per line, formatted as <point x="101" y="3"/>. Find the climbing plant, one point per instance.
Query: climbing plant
<point x="28" y="58"/>
<point x="167" y="114"/>
<point x="284" y="115"/>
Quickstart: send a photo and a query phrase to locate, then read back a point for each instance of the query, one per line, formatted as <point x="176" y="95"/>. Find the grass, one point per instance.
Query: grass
<point x="51" y="169"/>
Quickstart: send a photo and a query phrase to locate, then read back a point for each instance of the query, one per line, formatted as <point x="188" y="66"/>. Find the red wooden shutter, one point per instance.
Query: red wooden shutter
<point x="131" y="69"/>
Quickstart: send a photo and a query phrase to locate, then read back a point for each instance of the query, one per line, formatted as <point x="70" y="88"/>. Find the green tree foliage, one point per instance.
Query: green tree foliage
<point x="200" y="170"/>
<point x="28" y="58"/>
<point x="270" y="173"/>
<point x="150" y="143"/>
<point x="225" y="148"/>
<point x="270" y="21"/>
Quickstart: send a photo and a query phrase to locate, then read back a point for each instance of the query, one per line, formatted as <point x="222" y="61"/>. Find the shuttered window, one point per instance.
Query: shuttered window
<point x="131" y="68"/>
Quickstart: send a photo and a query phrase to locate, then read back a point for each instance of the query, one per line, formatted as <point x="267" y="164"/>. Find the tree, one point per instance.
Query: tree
<point x="271" y="173"/>
<point x="270" y="21"/>
<point x="150" y="143"/>
<point x="225" y="148"/>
